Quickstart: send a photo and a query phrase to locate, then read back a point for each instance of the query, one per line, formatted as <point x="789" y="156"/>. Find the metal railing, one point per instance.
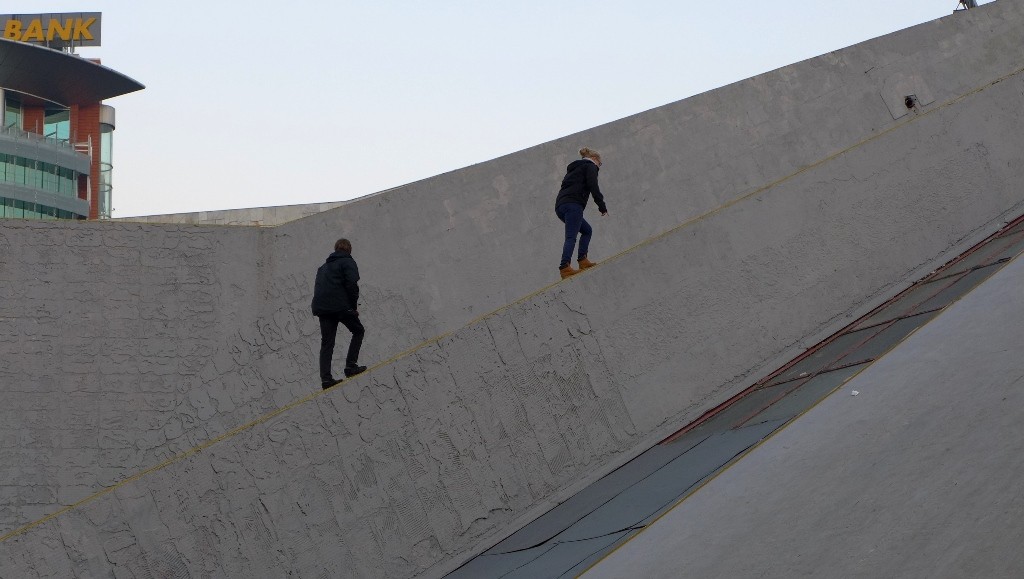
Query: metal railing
<point x="14" y="132"/>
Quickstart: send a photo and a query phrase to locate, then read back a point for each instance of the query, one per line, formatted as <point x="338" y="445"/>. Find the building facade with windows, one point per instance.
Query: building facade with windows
<point x="56" y="135"/>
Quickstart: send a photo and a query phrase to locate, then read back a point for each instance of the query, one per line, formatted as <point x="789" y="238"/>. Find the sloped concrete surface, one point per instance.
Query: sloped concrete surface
<point x="399" y="471"/>
<point x="917" y="476"/>
<point x="262" y="216"/>
<point x="124" y="344"/>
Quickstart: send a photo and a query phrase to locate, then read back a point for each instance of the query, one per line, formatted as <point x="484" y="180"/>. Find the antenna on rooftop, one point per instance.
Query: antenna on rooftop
<point x="966" y="5"/>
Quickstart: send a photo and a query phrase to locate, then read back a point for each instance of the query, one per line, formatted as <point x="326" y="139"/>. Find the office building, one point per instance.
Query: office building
<point x="56" y="141"/>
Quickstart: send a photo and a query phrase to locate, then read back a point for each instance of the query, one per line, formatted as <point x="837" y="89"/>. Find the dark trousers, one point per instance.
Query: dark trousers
<point x="329" y="332"/>
<point x="571" y="214"/>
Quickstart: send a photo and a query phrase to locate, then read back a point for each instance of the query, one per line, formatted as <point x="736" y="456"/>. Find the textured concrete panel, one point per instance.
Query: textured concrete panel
<point x="917" y="476"/>
<point x="440" y="252"/>
<point x="111" y="339"/>
<point x="803" y="202"/>
<point x="262" y="216"/>
<point x="445" y="250"/>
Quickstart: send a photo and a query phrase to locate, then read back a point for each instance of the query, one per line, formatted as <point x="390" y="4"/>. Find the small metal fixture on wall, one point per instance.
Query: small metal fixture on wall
<point x="965" y="5"/>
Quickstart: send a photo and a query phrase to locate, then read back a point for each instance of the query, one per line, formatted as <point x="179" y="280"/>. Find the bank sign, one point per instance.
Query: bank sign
<point x="65" y="29"/>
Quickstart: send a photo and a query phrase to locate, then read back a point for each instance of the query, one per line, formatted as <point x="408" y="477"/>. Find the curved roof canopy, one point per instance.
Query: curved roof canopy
<point x="59" y="77"/>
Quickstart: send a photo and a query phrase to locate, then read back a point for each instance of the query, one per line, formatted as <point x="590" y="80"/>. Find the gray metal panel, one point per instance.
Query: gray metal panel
<point x="74" y="205"/>
<point x="35" y="147"/>
<point x="612" y="508"/>
<point x="553" y="522"/>
<point x="649" y="496"/>
<point x="806" y="395"/>
<point x="69" y="80"/>
<point x="498" y="565"/>
<point x="107" y="116"/>
<point x="559" y="561"/>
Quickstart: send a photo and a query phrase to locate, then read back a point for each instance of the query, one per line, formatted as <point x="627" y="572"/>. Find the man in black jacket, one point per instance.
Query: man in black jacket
<point x="579" y="183"/>
<point x="335" y="299"/>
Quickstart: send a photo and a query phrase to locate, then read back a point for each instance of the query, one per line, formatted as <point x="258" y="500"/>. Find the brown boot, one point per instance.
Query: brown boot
<point x="585" y="263"/>
<point x="567" y="271"/>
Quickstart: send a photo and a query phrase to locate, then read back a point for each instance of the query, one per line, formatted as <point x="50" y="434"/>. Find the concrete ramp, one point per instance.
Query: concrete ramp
<point x="164" y="416"/>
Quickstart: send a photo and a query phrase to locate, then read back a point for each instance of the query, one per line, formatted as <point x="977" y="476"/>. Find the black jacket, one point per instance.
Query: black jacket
<point x="579" y="184"/>
<point x="337" y="285"/>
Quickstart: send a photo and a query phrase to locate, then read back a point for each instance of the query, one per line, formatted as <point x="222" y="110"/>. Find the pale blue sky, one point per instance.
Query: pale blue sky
<point x="260" y="103"/>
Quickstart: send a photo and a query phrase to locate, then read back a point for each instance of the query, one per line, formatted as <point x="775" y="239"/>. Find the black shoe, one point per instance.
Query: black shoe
<point x="351" y="371"/>
<point x="328" y="383"/>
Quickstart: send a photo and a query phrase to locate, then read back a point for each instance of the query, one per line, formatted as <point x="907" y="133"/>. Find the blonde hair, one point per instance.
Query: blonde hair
<point x="588" y="153"/>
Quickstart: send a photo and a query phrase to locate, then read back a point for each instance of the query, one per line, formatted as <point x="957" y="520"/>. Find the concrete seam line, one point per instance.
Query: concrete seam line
<point x="238" y="429"/>
<point x="806" y="168"/>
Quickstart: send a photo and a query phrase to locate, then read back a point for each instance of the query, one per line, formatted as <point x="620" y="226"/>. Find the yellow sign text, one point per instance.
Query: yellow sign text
<point x="68" y="30"/>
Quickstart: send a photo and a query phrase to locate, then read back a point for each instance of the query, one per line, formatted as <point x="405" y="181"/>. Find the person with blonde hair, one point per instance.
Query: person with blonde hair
<point x="579" y="183"/>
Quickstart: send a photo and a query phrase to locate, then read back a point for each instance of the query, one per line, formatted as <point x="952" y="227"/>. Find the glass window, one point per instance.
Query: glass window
<point x="57" y="124"/>
<point x="49" y="212"/>
<point x="33" y="176"/>
<point x="106" y="169"/>
<point x="19" y="170"/>
<point x="49" y="172"/>
<point x="39" y="175"/>
<point x="64" y="185"/>
<point x="12" y="113"/>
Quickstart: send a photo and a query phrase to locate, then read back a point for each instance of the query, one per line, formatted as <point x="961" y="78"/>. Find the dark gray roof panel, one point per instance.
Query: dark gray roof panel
<point x="59" y="77"/>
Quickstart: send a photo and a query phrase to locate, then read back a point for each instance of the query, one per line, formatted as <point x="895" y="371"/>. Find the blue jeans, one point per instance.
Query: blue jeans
<point x="571" y="214"/>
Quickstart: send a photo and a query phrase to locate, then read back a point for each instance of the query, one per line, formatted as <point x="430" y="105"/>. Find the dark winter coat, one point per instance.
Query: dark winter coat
<point x="337" y="285"/>
<point x="579" y="184"/>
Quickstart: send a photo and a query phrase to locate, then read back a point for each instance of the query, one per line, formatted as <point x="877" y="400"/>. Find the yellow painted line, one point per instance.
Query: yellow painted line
<point x="199" y="448"/>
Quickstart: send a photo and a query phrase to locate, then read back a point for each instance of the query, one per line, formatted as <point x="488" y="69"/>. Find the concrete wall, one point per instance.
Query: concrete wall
<point x="411" y="468"/>
<point x="264" y="216"/>
<point x="438" y="253"/>
<point x="110" y="335"/>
